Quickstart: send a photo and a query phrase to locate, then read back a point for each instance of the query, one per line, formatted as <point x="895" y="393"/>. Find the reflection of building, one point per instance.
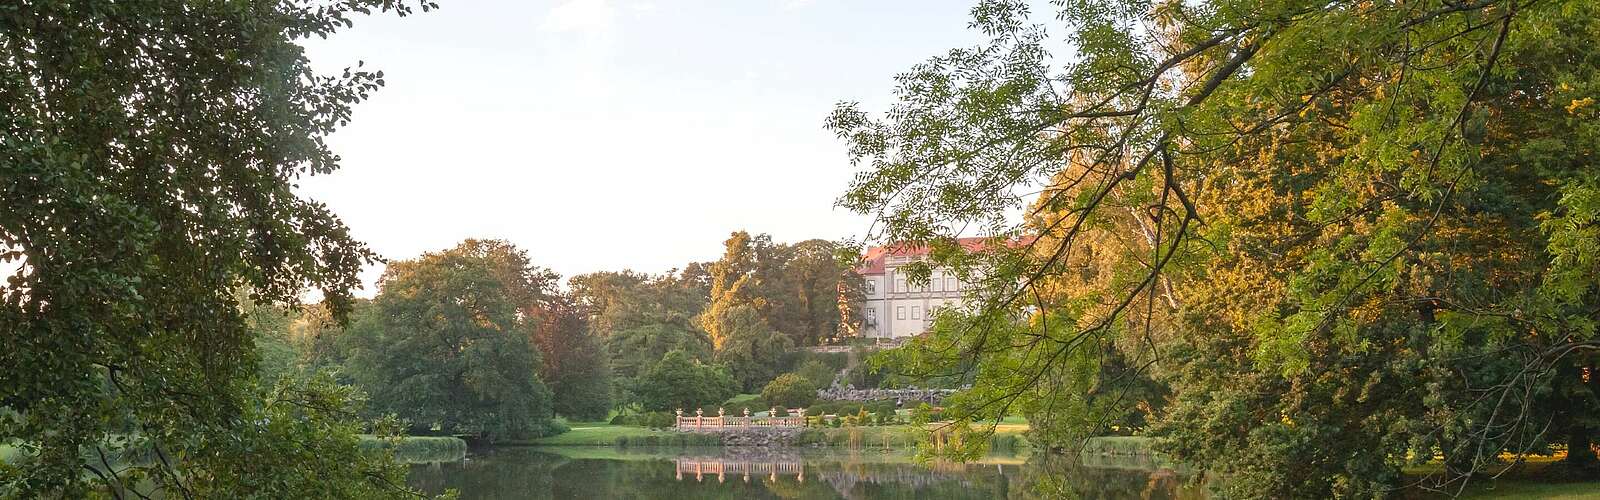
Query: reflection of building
<point x="842" y="476"/>
<point x="895" y="307"/>
<point x="702" y="467"/>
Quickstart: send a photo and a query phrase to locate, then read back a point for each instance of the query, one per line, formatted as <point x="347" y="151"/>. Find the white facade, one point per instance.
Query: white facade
<point x="896" y="308"/>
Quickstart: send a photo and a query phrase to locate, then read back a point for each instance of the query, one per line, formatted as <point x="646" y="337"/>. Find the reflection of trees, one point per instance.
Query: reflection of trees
<point x="510" y="470"/>
<point x="1069" y="477"/>
<point x="522" y="473"/>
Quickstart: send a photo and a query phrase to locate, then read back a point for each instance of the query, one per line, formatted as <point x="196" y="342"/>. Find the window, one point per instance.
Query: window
<point x="951" y="283"/>
<point x="899" y="285"/>
<point x="872" y="315"/>
<point x="916" y="312"/>
<point x="900" y="312"/>
<point x="871" y="287"/>
<point x="934" y="281"/>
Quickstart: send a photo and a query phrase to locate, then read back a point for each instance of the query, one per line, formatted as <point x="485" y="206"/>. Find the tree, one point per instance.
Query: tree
<point x="740" y="336"/>
<point x="679" y="382"/>
<point x="815" y="293"/>
<point x="640" y="317"/>
<point x="575" y="364"/>
<point x="1340" y="234"/>
<point x="753" y="351"/>
<point x="789" y="391"/>
<point x="150" y="153"/>
<point x="816" y="372"/>
<point x="446" y="344"/>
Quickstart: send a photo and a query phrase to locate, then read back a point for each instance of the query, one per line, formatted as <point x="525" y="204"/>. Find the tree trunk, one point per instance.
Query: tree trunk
<point x="1580" y="452"/>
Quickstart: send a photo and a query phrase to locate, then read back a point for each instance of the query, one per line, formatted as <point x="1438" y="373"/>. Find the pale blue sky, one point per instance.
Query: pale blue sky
<point x="611" y="134"/>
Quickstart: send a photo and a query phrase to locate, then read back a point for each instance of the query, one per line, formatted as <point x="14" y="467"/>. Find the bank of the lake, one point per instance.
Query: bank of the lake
<point x="419" y="449"/>
<point x="1528" y="481"/>
<point x="568" y="472"/>
<point x="1010" y="437"/>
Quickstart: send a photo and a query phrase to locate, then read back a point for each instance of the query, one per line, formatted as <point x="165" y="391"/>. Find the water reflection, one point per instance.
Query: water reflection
<point x="729" y="473"/>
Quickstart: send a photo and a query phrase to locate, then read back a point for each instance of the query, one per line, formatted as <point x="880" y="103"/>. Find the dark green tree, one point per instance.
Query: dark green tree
<point x="640" y="317"/>
<point x="446" y="345"/>
<point x="789" y="391"/>
<point x="576" y="366"/>
<point x="150" y="150"/>
<point x="679" y="382"/>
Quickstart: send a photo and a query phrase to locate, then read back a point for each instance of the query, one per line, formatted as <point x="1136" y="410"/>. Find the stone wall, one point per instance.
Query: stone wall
<point x="908" y="397"/>
<point x="752" y="436"/>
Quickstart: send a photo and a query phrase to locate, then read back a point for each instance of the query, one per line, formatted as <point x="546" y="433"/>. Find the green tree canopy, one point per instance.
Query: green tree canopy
<point x="150" y="150"/>
<point x="1342" y="234"/>
<point x="576" y="365"/>
<point x="640" y="317"/>
<point x="678" y="382"/>
<point x="446" y="344"/>
<point x="789" y="390"/>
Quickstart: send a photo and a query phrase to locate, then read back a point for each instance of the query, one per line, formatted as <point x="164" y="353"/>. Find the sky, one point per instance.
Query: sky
<point x="614" y="134"/>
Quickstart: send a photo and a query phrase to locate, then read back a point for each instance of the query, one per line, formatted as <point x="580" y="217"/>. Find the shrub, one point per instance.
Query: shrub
<point x="678" y="381"/>
<point x="789" y="390"/>
<point x="658" y="420"/>
<point x="850" y="407"/>
<point x="819" y="374"/>
<point x="674" y="439"/>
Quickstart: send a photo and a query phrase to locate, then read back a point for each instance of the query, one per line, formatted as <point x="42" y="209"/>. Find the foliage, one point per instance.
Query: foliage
<point x="816" y="373"/>
<point x="789" y="391"/>
<point x="741" y="337"/>
<point x="640" y="317"/>
<point x="446" y="344"/>
<point x="1303" y="240"/>
<point x="680" y="383"/>
<point x="831" y="407"/>
<point x="418" y="449"/>
<point x="649" y="419"/>
<point x="670" y="439"/>
<point x="150" y="150"/>
<point x="576" y="365"/>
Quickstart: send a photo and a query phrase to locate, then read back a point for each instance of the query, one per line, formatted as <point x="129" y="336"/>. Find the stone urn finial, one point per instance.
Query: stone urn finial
<point x="747" y="412"/>
<point x="699" y="412"/>
<point x="680" y="412"/>
<point x="773" y="412"/>
<point x="802" y="413"/>
<point x="722" y="412"/>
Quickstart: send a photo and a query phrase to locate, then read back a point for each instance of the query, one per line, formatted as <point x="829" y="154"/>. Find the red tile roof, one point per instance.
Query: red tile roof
<point x="875" y="258"/>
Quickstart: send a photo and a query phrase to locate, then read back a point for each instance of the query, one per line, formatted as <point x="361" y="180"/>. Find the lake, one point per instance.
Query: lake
<point x="717" y="473"/>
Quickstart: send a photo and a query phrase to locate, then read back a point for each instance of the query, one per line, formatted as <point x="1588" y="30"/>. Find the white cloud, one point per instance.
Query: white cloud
<point x="796" y="4"/>
<point x="593" y="17"/>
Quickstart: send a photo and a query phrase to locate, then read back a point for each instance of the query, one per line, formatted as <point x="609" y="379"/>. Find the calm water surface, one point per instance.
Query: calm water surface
<point x="688" y="473"/>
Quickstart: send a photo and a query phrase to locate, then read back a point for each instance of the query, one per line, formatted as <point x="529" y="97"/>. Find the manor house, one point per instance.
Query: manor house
<point x="894" y="308"/>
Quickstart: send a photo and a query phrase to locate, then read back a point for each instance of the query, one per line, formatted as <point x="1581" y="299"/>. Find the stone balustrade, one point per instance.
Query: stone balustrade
<point x="699" y="421"/>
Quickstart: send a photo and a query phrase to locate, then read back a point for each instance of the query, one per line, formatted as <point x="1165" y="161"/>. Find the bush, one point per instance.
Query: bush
<point x="789" y="391"/>
<point x="850" y="407"/>
<point x="678" y="381"/>
<point x="818" y="373"/>
<point x="673" y="439"/>
<point x="650" y="419"/>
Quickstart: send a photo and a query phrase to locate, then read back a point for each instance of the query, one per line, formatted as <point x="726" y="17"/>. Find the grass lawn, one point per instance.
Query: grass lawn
<point x="1528" y="481"/>
<point x="1526" y="489"/>
<point x="596" y="434"/>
